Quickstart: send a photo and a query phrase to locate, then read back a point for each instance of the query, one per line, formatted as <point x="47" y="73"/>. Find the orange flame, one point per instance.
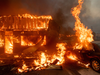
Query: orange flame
<point x="44" y="41"/>
<point x="8" y="45"/>
<point x="27" y="22"/>
<point x="61" y="52"/>
<point x="45" y="60"/>
<point x="1" y="42"/>
<point x="26" y="42"/>
<point x="24" y="68"/>
<point x="71" y="56"/>
<point x="84" y="35"/>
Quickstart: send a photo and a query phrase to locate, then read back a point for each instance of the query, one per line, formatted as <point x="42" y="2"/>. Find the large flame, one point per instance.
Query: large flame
<point x="8" y="42"/>
<point x="61" y="52"/>
<point x="45" y="60"/>
<point x="8" y="45"/>
<point x="84" y="35"/>
<point x="26" y="22"/>
<point x="23" y="23"/>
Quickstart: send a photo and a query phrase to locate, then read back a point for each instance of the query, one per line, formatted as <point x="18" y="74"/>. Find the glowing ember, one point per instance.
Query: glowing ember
<point x="84" y="35"/>
<point x="1" y="61"/>
<point x="16" y="56"/>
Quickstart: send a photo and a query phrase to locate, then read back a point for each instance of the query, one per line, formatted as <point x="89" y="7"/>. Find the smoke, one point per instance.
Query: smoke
<point x="90" y="15"/>
<point x="60" y="10"/>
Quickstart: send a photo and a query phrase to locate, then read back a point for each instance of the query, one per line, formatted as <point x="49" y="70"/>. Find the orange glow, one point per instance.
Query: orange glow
<point x="24" y="68"/>
<point x="8" y="44"/>
<point x="72" y="56"/>
<point x="16" y="56"/>
<point x="44" y="41"/>
<point x="1" y="61"/>
<point x="84" y="35"/>
<point x="26" y="42"/>
<point x="1" y="41"/>
<point x="23" y="42"/>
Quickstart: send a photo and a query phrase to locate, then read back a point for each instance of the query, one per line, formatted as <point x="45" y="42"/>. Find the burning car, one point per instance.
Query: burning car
<point x="83" y="51"/>
<point x="85" y="57"/>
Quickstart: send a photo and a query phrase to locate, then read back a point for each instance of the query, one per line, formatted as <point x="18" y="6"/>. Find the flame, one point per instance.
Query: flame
<point x="8" y="44"/>
<point x="44" y="41"/>
<point x="71" y="56"/>
<point x="24" y="68"/>
<point x="61" y="52"/>
<point x="26" y="22"/>
<point x="44" y="60"/>
<point x="84" y="35"/>
<point x="16" y="56"/>
<point x="23" y="23"/>
<point x="1" y="41"/>
<point x="23" y="42"/>
<point x="26" y="42"/>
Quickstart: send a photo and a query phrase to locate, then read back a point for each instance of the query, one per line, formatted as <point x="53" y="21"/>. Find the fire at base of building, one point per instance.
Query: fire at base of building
<point x="21" y="31"/>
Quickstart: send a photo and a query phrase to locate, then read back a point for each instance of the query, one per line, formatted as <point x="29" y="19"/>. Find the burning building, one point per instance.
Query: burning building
<point x="21" y="31"/>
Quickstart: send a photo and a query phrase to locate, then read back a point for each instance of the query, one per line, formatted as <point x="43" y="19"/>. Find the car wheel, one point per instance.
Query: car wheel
<point x="95" y="64"/>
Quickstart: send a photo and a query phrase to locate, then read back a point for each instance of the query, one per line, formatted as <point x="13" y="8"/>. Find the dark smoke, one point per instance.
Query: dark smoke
<point x="60" y="10"/>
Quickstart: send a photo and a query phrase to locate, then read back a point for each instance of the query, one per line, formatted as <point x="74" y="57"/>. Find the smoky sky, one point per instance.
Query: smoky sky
<point x="60" y="10"/>
<point x="90" y="14"/>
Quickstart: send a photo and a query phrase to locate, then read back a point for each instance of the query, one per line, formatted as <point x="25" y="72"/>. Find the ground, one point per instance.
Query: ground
<point x="67" y="70"/>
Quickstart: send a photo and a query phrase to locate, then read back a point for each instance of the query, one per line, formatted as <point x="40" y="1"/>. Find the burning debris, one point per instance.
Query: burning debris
<point x="45" y="60"/>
